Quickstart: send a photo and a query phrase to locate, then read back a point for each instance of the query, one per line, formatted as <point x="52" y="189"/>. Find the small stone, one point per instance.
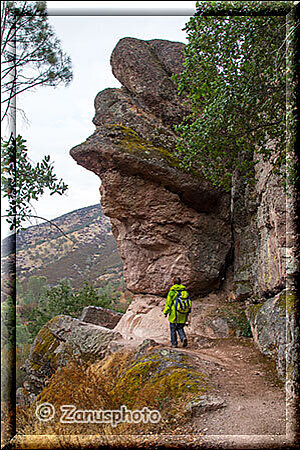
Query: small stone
<point x="205" y="403"/>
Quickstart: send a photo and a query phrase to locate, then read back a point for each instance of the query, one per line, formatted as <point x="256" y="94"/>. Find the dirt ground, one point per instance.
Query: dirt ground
<point x="255" y="402"/>
<point x="247" y="381"/>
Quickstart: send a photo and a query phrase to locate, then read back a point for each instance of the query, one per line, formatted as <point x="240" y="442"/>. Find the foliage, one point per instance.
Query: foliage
<point x="48" y="302"/>
<point x="22" y="182"/>
<point x="37" y="303"/>
<point x="31" y="57"/>
<point x="34" y="290"/>
<point x="8" y="323"/>
<point x="234" y="80"/>
<point x="31" y="53"/>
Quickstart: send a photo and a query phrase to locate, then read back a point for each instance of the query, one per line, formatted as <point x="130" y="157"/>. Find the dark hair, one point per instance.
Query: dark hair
<point x="177" y="280"/>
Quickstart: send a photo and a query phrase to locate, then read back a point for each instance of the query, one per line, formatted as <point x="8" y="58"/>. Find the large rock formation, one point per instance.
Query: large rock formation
<point x="166" y="222"/>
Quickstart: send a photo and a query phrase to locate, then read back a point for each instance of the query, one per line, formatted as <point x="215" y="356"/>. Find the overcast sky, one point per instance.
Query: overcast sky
<point x="60" y="118"/>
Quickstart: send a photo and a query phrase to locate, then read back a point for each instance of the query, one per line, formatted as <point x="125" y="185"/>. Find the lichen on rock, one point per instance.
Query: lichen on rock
<point x="167" y="373"/>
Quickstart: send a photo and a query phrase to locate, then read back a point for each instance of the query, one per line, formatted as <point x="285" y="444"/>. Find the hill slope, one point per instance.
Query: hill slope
<point x="87" y="251"/>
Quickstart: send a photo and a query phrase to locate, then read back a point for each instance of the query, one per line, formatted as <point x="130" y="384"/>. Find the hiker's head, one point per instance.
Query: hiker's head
<point x="177" y="280"/>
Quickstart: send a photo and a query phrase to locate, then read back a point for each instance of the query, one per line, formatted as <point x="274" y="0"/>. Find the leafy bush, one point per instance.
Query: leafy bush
<point x="235" y="78"/>
<point x="38" y="303"/>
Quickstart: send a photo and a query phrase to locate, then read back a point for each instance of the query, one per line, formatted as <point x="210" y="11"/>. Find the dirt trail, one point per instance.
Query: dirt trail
<point x="246" y="380"/>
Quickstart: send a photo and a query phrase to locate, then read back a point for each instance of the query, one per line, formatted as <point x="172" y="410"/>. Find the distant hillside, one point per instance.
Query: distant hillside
<point x="90" y="253"/>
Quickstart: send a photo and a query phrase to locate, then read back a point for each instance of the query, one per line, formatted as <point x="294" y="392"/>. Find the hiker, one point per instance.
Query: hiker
<point x="178" y="307"/>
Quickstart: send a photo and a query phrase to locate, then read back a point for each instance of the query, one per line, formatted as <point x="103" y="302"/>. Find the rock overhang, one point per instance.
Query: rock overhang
<point x="120" y="148"/>
<point x="166" y="221"/>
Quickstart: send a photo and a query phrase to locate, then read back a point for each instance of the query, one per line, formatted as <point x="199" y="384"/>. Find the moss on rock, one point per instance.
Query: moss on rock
<point x="44" y="346"/>
<point x="160" y="376"/>
<point x="132" y="142"/>
<point x="253" y="310"/>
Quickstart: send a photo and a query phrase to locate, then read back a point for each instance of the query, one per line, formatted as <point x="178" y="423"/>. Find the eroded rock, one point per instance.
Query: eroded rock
<point x="166" y="222"/>
<point x="144" y="319"/>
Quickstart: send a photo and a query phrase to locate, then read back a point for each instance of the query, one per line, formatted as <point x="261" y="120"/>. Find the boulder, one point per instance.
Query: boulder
<point x="61" y="339"/>
<point x="269" y="322"/>
<point x="104" y="317"/>
<point x="166" y="372"/>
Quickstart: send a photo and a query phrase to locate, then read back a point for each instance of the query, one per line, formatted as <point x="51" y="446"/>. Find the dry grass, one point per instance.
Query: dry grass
<point x="107" y="385"/>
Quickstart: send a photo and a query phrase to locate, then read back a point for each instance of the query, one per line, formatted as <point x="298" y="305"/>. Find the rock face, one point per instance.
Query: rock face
<point x="264" y="244"/>
<point x="265" y="264"/>
<point x="166" y="222"/>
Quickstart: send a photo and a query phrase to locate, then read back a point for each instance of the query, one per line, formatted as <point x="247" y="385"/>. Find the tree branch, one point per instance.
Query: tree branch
<point x="48" y="221"/>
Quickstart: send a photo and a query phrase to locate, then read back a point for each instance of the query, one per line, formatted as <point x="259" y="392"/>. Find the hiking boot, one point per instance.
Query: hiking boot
<point x="173" y="346"/>
<point x="184" y="342"/>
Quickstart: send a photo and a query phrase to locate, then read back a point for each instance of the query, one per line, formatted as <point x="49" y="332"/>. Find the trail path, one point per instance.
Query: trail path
<point x="247" y="381"/>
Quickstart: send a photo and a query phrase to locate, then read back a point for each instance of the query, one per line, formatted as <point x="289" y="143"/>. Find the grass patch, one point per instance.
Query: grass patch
<point x="162" y="381"/>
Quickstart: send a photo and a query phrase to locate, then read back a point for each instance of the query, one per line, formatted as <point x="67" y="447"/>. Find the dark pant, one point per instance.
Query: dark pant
<point x="177" y="328"/>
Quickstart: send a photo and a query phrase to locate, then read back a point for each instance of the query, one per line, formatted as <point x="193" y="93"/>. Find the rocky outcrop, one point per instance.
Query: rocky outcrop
<point x="166" y="222"/>
<point x="61" y="339"/>
<point x="264" y="240"/>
